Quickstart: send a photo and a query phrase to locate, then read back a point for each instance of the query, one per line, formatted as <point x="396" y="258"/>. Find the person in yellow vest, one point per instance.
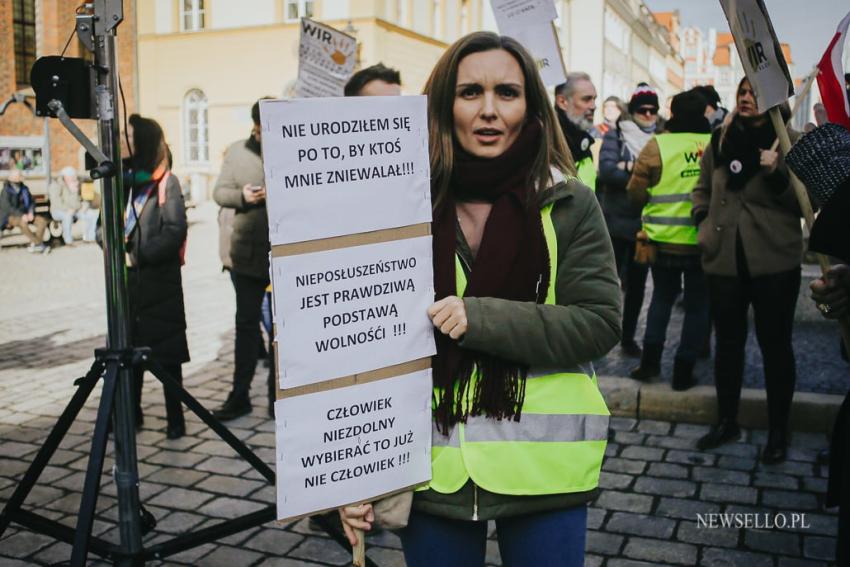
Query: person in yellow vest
<point x="665" y="173"/>
<point x="527" y="296"/>
<point x="575" y="105"/>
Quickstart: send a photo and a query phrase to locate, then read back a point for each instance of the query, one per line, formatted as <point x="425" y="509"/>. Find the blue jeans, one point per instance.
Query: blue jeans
<point x="667" y="275"/>
<point x="553" y="538"/>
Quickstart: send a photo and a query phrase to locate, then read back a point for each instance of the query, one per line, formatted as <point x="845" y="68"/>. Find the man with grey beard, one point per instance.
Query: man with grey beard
<point x="575" y="105"/>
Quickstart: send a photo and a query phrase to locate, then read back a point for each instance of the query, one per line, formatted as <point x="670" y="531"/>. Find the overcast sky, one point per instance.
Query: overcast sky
<point x="808" y="33"/>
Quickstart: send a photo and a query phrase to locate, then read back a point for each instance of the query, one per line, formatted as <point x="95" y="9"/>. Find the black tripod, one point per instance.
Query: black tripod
<point x="74" y="88"/>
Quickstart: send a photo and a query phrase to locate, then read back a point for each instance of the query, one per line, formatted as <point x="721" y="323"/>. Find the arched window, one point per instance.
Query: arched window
<point x="196" y="140"/>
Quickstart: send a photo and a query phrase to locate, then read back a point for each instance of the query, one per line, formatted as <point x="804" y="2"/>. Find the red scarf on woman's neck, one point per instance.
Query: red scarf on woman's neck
<point x="512" y="263"/>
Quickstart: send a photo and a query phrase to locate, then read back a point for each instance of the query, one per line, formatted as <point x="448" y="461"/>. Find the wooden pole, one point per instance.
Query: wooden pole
<point x="359" y="550"/>
<point x="798" y="101"/>
<point x="805" y="206"/>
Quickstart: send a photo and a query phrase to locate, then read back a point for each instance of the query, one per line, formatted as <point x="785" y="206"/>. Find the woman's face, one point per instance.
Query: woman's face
<point x="746" y="101"/>
<point x="489" y="105"/>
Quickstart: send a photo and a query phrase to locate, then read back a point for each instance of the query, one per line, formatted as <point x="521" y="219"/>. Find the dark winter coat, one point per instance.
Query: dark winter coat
<point x="764" y="212"/>
<point x="621" y="215"/>
<point x="155" y="284"/>
<point x="14" y="204"/>
<point x="249" y="241"/>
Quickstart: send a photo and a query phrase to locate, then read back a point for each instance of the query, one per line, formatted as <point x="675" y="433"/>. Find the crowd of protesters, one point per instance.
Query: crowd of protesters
<point x="558" y="223"/>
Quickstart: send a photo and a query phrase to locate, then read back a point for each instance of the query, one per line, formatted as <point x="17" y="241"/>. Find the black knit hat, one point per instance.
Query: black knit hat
<point x="821" y="159"/>
<point x="688" y="110"/>
<point x="644" y="95"/>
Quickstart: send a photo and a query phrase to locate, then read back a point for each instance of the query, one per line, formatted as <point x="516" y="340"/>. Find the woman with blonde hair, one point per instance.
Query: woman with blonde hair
<point x="527" y="296"/>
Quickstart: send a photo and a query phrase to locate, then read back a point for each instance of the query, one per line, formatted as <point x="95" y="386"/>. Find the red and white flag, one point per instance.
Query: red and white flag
<point x="831" y="78"/>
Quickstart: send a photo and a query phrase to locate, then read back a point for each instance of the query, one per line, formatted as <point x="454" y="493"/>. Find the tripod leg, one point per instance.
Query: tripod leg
<point x="202" y="412"/>
<point x="91" y="487"/>
<point x="86" y="385"/>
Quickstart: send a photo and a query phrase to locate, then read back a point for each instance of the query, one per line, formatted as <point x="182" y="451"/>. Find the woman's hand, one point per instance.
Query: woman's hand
<point x="831" y="294"/>
<point x="768" y="159"/>
<point x="449" y="316"/>
<point x="253" y="194"/>
<point x="356" y="517"/>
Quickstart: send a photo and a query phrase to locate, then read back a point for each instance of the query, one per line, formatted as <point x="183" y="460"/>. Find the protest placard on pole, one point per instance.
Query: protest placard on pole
<point x="530" y="22"/>
<point x="345" y="165"/>
<point x="350" y="310"/>
<point x="353" y="443"/>
<point x="348" y="198"/>
<point x="767" y="72"/>
<point x="326" y="59"/>
<point x="760" y="52"/>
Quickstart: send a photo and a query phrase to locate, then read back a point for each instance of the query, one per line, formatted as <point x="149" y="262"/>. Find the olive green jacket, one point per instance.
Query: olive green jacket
<point x="583" y="326"/>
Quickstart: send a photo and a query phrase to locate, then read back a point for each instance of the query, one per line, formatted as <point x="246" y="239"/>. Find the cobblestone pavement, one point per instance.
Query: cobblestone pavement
<point x="654" y="484"/>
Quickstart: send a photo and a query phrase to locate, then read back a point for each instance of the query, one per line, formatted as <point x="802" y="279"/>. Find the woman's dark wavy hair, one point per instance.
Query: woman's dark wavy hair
<point x="149" y="149"/>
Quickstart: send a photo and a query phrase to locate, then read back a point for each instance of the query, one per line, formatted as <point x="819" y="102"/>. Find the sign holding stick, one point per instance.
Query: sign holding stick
<point x="326" y="60"/>
<point x="767" y="72"/>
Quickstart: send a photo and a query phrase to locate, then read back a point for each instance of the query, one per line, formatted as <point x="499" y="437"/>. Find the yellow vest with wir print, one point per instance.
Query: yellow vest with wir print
<point x="586" y="172"/>
<point x="667" y="215"/>
<point x="557" y="445"/>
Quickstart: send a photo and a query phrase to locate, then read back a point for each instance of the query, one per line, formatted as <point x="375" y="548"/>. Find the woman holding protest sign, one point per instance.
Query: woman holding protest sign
<point x="752" y="245"/>
<point x="527" y="296"/>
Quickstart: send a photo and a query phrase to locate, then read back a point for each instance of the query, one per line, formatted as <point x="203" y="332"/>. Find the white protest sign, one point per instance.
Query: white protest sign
<point x="530" y="23"/>
<point x="352" y="310"/>
<point x="326" y="60"/>
<point x="760" y="51"/>
<point x="351" y="444"/>
<point x="517" y="13"/>
<point x="345" y="165"/>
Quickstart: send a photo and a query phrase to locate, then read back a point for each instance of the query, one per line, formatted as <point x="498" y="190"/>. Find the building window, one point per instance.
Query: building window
<point x="402" y="13"/>
<point x="296" y="9"/>
<point x="464" y="17"/>
<point x="192" y="15"/>
<point x="197" y="146"/>
<point x="23" y="23"/>
<point x="438" y="18"/>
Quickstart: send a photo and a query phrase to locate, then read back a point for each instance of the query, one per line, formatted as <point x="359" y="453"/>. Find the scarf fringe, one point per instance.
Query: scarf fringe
<point x="501" y="398"/>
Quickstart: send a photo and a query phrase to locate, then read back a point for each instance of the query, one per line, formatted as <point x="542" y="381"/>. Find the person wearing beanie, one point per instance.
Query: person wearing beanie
<point x="821" y="159"/>
<point x="751" y="241"/>
<point x="575" y="105"/>
<point x="620" y="147"/>
<point x="664" y="175"/>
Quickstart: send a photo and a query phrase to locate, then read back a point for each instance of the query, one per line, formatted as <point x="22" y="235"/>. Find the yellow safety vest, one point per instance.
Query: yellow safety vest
<point x="666" y="216"/>
<point x="555" y="448"/>
<point x="586" y="170"/>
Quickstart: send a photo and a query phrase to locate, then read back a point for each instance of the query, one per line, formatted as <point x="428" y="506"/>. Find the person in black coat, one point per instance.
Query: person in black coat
<point x="620" y="148"/>
<point x="821" y="159"/>
<point x="155" y="235"/>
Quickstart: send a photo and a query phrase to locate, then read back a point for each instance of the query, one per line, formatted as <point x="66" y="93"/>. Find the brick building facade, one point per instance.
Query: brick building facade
<point x="44" y="26"/>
